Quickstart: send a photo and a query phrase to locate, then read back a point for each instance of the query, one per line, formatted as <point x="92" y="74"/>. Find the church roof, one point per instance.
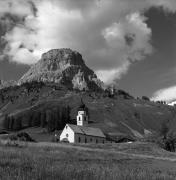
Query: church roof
<point x="89" y="131"/>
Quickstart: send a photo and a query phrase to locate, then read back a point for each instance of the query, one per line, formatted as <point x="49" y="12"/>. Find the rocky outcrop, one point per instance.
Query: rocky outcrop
<point x="63" y="66"/>
<point x="5" y="84"/>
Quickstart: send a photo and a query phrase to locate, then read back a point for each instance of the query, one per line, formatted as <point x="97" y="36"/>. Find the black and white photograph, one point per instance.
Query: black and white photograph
<point x="87" y="89"/>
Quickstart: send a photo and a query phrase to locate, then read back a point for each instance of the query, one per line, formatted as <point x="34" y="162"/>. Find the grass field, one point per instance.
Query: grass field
<point x="86" y="162"/>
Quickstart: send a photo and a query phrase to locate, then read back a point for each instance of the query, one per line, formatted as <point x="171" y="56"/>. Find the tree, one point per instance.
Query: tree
<point x="170" y="141"/>
<point x="43" y="119"/>
<point x="68" y="110"/>
<point x="57" y="119"/>
<point x="168" y="138"/>
<point x="17" y="124"/>
<point x="145" y="98"/>
<point x="50" y="121"/>
<point x="35" y="118"/>
<point x="6" y="122"/>
<point x="164" y="129"/>
<point x="11" y="122"/>
<point x="2" y="98"/>
<point x="125" y="95"/>
<point x="65" y="115"/>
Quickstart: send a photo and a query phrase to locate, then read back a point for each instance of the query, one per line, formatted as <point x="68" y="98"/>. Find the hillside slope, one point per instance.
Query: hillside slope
<point x="113" y="115"/>
<point x="49" y="94"/>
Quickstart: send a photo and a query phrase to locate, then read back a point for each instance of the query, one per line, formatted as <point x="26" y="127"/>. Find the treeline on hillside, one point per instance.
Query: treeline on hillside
<point x="51" y="119"/>
<point x="12" y="93"/>
<point x="112" y="92"/>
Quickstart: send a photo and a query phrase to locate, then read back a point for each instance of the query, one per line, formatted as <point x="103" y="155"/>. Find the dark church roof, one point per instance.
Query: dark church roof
<point x="89" y="131"/>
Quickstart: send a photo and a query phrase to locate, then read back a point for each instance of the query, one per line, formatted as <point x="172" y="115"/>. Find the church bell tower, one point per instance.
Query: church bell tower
<point x="82" y="117"/>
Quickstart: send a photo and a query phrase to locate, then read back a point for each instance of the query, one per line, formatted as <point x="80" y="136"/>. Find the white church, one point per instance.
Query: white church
<point x="81" y="133"/>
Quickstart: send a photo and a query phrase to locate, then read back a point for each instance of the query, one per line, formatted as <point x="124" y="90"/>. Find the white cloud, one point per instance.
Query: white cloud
<point x="19" y="7"/>
<point x="110" y="76"/>
<point x="110" y="34"/>
<point x="129" y="40"/>
<point x="169" y="5"/>
<point x="50" y="29"/>
<point x="166" y="94"/>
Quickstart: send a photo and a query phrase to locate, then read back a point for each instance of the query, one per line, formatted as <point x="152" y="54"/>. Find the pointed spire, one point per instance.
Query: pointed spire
<point x="82" y="105"/>
<point x="82" y="101"/>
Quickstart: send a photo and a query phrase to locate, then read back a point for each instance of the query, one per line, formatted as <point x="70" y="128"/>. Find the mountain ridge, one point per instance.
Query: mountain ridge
<point x="63" y="66"/>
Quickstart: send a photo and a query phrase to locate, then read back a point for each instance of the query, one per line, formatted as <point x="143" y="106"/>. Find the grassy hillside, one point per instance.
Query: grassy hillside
<point x="108" y="162"/>
<point x="114" y="115"/>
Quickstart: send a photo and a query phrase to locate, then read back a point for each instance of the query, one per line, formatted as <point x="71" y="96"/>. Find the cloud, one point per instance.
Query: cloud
<point x="113" y="75"/>
<point x="110" y="34"/>
<point x="166" y="94"/>
<point x="168" y="5"/>
<point x="19" y="7"/>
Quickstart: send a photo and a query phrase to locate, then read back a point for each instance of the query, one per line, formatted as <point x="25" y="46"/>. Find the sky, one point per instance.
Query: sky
<point x="130" y="43"/>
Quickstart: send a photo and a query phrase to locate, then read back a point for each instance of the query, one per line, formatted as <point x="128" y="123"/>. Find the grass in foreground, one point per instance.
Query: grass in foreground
<point x="72" y="162"/>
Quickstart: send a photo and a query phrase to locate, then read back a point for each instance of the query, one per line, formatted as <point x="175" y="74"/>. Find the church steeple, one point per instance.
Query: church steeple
<point x="82" y="117"/>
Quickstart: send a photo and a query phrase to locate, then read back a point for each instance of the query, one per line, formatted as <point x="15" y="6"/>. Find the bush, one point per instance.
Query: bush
<point x="145" y="98"/>
<point x="124" y="94"/>
<point x="22" y="136"/>
<point x="167" y="139"/>
<point x="169" y="143"/>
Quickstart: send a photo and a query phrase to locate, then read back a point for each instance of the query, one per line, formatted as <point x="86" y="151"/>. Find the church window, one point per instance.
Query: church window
<point x="66" y="135"/>
<point x="79" y="139"/>
<point x="85" y="140"/>
<point x="96" y="141"/>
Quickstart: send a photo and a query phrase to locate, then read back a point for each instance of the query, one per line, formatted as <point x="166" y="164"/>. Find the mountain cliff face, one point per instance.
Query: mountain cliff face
<point x="63" y="66"/>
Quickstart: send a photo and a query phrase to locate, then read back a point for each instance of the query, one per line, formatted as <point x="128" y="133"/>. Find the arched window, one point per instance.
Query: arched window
<point x="85" y="140"/>
<point x="79" y="139"/>
<point x="66" y="135"/>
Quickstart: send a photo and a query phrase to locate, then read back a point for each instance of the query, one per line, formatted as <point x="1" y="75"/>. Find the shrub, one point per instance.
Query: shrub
<point x="167" y="139"/>
<point x="169" y="143"/>
<point x="22" y="136"/>
<point x="124" y="94"/>
<point x="145" y="98"/>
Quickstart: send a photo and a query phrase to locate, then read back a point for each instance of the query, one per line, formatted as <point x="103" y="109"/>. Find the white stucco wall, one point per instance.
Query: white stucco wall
<point x="68" y="133"/>
<point x="82" y="118"/>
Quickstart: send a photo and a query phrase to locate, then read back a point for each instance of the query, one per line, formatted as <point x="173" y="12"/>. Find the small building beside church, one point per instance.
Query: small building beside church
<point x="82" y="133"/>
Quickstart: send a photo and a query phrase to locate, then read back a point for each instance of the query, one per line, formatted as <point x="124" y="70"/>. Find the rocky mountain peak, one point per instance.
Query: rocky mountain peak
<point x="64" y="56"/>
<point x="63" y="66"/>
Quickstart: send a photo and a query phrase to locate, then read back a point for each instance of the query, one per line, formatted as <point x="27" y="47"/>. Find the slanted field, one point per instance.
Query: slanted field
<point x="137" y="161"/>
